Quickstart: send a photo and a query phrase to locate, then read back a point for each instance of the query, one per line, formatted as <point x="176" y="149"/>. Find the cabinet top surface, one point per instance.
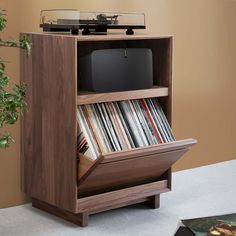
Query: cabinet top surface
<point x="109" y="36"/>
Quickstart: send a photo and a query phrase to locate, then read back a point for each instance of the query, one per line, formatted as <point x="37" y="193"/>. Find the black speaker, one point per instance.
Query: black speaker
<point x="109" y="70"/>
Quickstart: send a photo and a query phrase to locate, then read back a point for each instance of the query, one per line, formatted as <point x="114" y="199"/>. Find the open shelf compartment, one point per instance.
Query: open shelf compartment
<point x="162" y="66"/>
<point x="129" y="168"/>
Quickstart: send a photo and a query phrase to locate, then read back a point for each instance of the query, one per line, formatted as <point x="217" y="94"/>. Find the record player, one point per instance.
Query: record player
<point x="90" y="22"/>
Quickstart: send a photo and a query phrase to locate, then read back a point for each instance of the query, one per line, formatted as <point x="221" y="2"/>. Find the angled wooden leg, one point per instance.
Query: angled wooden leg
<point x="154" y="201"/>
<point x="80" y="219"/>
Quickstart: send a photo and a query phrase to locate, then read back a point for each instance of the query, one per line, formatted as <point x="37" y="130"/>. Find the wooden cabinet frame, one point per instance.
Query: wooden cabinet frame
<point x="51" y="174"/>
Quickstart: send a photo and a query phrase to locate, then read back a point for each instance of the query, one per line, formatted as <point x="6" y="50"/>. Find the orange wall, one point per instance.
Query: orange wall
<point x="204" y="73"/>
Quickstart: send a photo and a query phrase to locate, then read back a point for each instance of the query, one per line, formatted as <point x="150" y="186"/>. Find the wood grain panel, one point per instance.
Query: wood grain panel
<point x="164" y="63"/>
<point x="162" y="69"/>
<point x="115" y="37"/>
<point x="109" y="37"/>
<point x="86" y="165"/>
<point x="49" y="127"/>
<point x="148" y="150"/>
<point x="126" y="195"/>
<point x="90" y="97"/>
<point x="80" y="219"/>
<point x="126" y="173"/>
<point x="118" y="205"/>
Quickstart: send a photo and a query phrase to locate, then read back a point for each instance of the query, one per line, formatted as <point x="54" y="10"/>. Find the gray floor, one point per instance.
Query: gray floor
<point x="204" y="191"/>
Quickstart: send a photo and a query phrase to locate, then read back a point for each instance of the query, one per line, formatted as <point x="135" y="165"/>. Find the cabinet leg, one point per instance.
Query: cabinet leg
<point x="80" y="219"/>
<point x="154" y="201"/>
<point x="84" y="219"/>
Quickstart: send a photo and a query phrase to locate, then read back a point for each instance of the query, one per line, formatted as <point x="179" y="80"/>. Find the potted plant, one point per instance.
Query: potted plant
<point x="12" y="102"/>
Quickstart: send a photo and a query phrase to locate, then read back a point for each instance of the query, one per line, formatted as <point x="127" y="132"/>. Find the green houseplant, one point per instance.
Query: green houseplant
<point x="12" y="101"/>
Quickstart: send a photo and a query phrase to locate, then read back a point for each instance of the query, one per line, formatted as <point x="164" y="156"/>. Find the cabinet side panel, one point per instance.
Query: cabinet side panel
<point x="49" y="127"/>
<point x="163" y="59"/>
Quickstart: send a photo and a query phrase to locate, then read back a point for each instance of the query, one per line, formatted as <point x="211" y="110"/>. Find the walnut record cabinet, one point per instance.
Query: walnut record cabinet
<point x="50" y="171"/>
